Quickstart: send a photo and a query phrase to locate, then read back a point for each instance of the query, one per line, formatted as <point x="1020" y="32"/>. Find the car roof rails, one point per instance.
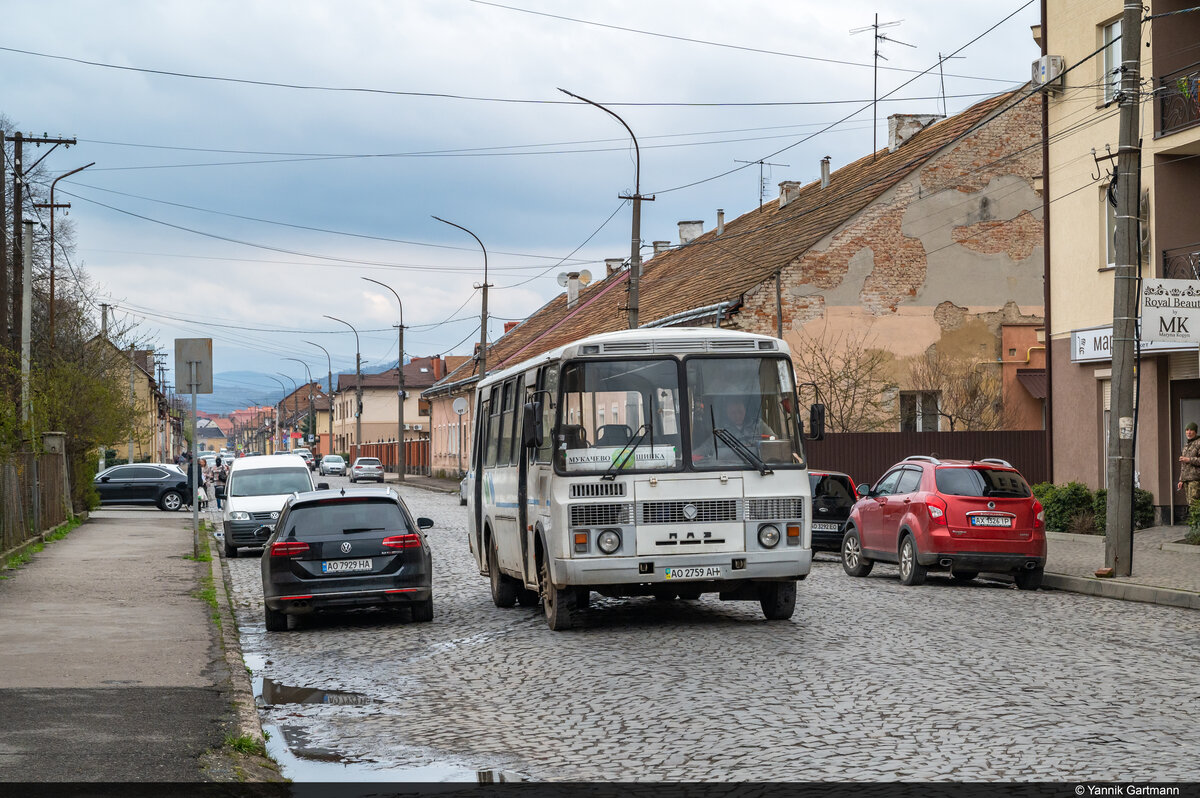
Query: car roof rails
<point x="925" y="458"/>
<point x="996" y="460"/>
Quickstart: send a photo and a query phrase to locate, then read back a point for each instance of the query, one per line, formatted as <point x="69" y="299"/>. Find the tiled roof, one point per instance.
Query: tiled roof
<point x="712" y="268"/>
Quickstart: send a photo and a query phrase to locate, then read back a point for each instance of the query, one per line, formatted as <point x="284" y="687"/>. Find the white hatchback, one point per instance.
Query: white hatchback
<point x="366" y="468"/>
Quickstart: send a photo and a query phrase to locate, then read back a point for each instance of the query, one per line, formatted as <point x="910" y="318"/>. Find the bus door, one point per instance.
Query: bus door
<point x="535" y="468"/>
<point x="505" y="476"/>
<point x="479" y="446"/>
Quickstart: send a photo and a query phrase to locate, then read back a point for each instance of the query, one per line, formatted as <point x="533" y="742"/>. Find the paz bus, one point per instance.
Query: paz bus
<point x="664" y="462"/>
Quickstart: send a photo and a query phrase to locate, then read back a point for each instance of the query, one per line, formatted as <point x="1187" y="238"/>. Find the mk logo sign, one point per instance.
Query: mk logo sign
<point x="1176" y="325"/>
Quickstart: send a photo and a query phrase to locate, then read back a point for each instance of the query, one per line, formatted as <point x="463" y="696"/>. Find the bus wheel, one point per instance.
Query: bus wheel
<point x="504" y="589"/>
<point x="559" y="604"/>
<point x="778" y="600"/>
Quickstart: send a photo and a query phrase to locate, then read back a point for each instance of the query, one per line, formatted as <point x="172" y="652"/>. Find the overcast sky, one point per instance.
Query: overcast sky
<point x="216" y="206"/>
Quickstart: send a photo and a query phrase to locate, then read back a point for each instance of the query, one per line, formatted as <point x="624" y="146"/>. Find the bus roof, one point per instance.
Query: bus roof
<point x="655" y="340"/>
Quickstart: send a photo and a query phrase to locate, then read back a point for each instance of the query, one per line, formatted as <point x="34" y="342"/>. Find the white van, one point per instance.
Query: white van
<point x="255" y="491"/>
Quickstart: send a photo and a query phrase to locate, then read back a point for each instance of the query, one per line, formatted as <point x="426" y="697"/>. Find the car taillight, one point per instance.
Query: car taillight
<point x="937" y="509"/>
<point x="409" y="541"/>
<point x="288" y="548"/>
<point x="1039" y="515"/>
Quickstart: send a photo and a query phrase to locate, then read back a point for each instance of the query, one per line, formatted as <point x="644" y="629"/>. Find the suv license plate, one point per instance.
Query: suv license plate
<point x="345" y="566"/>
<point x="991" y="520"/>
<point x="696" y="572"/>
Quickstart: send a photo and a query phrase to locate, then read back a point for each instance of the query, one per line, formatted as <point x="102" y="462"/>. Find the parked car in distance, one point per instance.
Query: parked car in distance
<point x="308" y="458"/>
<point x="332" y="464"/>
<point x="162" y="485"/>
<point x="335" y="550"/>
<point x="367" y="468"/>
<point x="254" y="493"/>
<point x="834" y="496"/>
<point x="965" y="516"/>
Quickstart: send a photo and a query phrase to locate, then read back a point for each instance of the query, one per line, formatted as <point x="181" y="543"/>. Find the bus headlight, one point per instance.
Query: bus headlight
<point x="768" y="535"/>
<point x="609" y="541"/>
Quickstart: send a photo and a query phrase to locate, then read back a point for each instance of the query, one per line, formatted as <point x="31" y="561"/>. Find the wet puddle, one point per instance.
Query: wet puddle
<point x="314" y="764"/>
<point x="273" y="693"/>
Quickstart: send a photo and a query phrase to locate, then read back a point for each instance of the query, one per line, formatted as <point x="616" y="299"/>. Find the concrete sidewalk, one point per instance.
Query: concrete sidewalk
<point x="1164" y="572"/>
<point x="113" y="668"/>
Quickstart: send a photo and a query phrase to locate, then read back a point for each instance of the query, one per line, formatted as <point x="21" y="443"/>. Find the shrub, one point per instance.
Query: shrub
<point x="1063" y="505"/>
<point x="1143" y="509"/>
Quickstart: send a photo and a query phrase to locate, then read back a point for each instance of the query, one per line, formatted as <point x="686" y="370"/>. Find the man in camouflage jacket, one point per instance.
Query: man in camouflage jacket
<point x="1189" y="472"/>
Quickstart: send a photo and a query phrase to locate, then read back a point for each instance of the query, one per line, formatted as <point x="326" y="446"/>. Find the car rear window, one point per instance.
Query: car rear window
<point x="830" y="490"/>
<point x="368" y="461"/>
<point x="982" y="482"/>
<point x="346" y="517"/>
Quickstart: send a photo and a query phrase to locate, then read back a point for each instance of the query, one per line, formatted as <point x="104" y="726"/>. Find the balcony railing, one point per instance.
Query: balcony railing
<point x="1182" y="263"/>
<point x="1179" y="99"/>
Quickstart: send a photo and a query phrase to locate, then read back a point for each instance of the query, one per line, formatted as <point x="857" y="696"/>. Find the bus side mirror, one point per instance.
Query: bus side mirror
<point x="532" y="433"/>
<point x="816" y="422"/>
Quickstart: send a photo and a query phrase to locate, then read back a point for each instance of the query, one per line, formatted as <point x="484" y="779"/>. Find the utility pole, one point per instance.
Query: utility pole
<point x="26" y="322"/>
<point x="104" y="321"/>
<point x="401" y="446"/>
<point x="19" y="172"/>
<point x="357" y="384"/>
<point x="1118" y="540"/>
<point x="133" y="400"/>
<point x="5" y="329"/>
<point x="329" y="364"/>
<point x="635" y="242"/>
<point x="52" y="206"/>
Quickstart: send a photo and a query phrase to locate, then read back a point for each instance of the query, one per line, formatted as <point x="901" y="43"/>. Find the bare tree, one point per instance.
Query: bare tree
<point x="969" y="392"/>
<point x="851" y="376"/>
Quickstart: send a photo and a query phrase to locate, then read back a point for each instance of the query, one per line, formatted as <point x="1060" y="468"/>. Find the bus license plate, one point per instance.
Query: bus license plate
<point x="345" y="566"/>
<point x="991" y="520"/>
<point x="695" y="572"/>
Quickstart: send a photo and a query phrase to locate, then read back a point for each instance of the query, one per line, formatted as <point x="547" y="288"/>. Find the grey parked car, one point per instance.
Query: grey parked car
<point x="332" y="464"/>
<point x="366" y="468"/>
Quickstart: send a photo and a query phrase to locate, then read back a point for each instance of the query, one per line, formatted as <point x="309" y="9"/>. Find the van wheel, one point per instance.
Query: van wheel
<point x="1029" y="580"/>
<point x="231" y="551"/>
<point x="504" y="589"/>
<point x="911" y="571"/>
<point x="853" y="561"/>
<point x="778" y="600"/>
<point x="559" y="604"/>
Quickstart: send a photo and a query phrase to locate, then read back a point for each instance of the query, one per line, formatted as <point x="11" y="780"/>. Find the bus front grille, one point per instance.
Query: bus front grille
<point x="675" y="512"/>
<point x="592" y="490"/>
<point x="767" y="509"/>
<point x="601" y="514"/>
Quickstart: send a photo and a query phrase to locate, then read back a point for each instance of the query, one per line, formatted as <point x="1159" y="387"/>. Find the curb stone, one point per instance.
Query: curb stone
<point x="1110" y="588"/>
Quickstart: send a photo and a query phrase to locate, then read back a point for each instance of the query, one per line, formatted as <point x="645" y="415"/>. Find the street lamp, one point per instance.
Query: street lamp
<point x="483" y="314"/>
<point x="357" y="382"/>
<point x="635" y="252"/>
<point x="295" y="390"/>
<point x="275" y="412"/>
<point x="52" y="206"/>
<point x="311" y="420"/>
<point x="329" y="363"/>
<point x="401" y="448"/>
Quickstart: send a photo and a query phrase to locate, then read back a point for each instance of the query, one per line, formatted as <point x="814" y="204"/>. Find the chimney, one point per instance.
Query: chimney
<point x="902" y="127"/>
<point x="439" y="368"/>
<point x="508" y="325"/>
<point x="825" y="172"/>
<point x="720" y="221"/>
<point x="788" y="190"/>
<point x="661" y="246"/>
<point x="572" y="289"/>
<point x="690" y="231"/>
<point x="613" y="265"/>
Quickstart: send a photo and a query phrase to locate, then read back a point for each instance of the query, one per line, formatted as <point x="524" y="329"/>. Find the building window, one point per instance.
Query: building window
<point x="1111" y="79"/>
<point x="919" y="411"/>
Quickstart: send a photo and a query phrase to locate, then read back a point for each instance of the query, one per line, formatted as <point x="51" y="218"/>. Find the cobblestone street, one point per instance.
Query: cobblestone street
<point x="869" y="680"/>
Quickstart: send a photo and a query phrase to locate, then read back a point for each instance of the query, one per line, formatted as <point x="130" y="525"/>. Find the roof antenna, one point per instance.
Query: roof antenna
<point x="879" y="37"/>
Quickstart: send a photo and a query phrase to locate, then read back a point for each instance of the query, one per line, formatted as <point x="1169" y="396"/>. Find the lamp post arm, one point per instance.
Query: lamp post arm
<point x="637" y="180"/>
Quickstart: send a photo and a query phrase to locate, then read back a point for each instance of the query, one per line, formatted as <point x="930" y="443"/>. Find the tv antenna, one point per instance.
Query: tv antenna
<point x="879" y="38"/>
<point x="762" y="181"/>
<point x="942" y="77"/>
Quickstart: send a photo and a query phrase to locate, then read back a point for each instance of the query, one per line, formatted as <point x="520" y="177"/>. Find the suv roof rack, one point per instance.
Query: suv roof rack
<point x="996" y="460"/>
<point x="923" y="457"/>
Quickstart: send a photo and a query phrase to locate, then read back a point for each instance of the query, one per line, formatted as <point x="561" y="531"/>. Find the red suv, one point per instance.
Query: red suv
<point x="964" y="516"/>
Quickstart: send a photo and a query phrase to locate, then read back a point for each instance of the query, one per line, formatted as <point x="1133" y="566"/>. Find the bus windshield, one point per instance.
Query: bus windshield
<point x="622" y="414"/>
<point x="742" y="410"/>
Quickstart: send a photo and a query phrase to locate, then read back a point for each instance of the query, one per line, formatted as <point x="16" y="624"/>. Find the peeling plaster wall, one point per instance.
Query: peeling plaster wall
<point x="944" y="257"/>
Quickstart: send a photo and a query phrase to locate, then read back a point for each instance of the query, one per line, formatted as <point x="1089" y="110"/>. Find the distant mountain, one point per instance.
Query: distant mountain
<point x="233" y="390"/>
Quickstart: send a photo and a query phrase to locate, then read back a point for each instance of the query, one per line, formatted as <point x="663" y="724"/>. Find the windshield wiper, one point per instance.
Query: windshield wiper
<point x="362" y="529"/>
<point x="742" y="450"/>
<point x="610" y="473"/>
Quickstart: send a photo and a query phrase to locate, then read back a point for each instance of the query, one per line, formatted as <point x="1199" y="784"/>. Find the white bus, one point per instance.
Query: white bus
<point x="664" y="462"/>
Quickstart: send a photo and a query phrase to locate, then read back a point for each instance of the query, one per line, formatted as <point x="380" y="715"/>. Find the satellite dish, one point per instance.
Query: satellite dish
<point x="459" y="405"/>
<point x="585" y="277"/>
<point x="562" y="279"/>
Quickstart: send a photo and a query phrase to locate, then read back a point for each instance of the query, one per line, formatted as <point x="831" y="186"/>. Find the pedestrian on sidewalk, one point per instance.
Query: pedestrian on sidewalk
<point x="1189" y="471"/>
<point x="220" y="473"/>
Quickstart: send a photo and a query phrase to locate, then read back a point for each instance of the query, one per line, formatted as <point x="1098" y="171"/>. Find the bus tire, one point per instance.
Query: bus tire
<point x="527" y="597"/>
<point x="504" y="589"/>
<point x="778" y="600"/>
<point x="558" y="604"/>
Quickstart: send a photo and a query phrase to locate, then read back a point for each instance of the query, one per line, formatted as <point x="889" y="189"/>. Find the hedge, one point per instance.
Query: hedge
<point x="1074" y="508"/>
